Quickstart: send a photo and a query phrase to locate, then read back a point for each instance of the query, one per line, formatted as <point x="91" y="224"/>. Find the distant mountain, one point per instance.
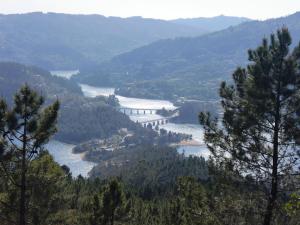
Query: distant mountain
<point x="64" y="41"/>
<point x="213" y="23"/>
<point x="14" y="75"/>
<point x="80" y="118"/>
<point x="187" y="67"/>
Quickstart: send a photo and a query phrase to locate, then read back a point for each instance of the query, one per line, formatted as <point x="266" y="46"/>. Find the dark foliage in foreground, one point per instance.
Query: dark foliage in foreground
<point x="260" y="129"/>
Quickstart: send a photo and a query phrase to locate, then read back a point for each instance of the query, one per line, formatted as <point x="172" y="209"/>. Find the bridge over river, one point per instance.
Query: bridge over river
<point x="154" y="122"/>
<point x="145" y="111"/>
<point x="137" y="111"/>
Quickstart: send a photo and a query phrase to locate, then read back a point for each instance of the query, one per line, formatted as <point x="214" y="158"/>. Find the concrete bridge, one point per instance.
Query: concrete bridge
<point x="144" y="111"/>
<point x="136" y="111"/>
<point x="154" y="122"/>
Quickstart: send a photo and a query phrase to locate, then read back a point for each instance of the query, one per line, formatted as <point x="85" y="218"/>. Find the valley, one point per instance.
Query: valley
<point x="195" y="147"/>
<point x="185" y="67"/>
<point x="175" y="117"/>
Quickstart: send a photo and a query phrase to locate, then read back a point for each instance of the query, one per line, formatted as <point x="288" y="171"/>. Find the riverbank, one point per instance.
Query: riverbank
<point x="191" y="129"/>
<point x="195" y="146"/>
<point x="189" y="143"/>
<point x="63" y="154"/>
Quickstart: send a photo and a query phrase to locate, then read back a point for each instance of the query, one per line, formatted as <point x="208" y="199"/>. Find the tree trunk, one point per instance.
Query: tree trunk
<point x="274" y="186"/>
<point x="23" y="178"/>
<point x="272" y="197"/>
<point x="112" y="219"/>
<point x="23" y="192"/>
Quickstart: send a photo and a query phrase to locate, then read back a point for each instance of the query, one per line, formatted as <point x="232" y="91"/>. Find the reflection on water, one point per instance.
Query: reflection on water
<point x="195" y="130"/>
<point x="144" y="117"/>
<point x="194" y="150"/>
<point x="62" y="154"/>
<point x="92" y="92"/>
<point x="64" y="73"/>
<point x="140" y="103"/>
<point x="197" y="133"/>
<point x="137" y="103"/>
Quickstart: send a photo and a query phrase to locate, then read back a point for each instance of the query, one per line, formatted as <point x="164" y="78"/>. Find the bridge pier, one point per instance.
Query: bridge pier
<point x="132" y="111"/>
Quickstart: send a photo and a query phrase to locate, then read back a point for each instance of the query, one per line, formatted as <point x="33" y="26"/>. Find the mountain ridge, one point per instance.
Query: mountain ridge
<point x="71" y="41"/>
<point x="187" y="62"/>
<point x="212" y="23"/>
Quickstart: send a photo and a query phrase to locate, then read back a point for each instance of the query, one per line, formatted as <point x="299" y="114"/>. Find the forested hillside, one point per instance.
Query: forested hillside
<point x="61" y="41"/>
<point x="212" y="23"/>
<point x="64" y="41"/>
<point x="13" y="75"/>
<point x="186" y="67"/>
<point x="80" y="118"/>
<point x="250" y="178"/>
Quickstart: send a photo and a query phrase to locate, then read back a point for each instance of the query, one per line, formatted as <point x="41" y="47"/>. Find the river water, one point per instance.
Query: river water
<point x="64" y="73"/>
<point x="193" y="129"/>
<point x="137" y="103"/>
<point x="63" y="152"/>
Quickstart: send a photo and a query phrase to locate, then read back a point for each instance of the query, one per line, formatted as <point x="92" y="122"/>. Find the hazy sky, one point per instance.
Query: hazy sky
<point x="164" y="9"/>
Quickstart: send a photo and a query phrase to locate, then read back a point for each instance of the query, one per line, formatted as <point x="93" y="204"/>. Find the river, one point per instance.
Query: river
<point x="64" y="73"/>
<point x="63" y="152"/>
<point x="193" y="129"/>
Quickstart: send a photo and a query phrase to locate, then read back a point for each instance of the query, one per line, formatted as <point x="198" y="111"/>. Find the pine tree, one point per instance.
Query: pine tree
<point x="113" y="198"/>
<point x="260" y="131"/>
<point x="24" y="130"/>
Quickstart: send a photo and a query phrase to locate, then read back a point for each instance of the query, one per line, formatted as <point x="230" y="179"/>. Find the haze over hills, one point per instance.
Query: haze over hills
<point x="213" y="23"/>
<point x="64" y="41"/>
<point x="187" y="67"/>
<point x="129" y="121"/>
<point x="80" y="118"/>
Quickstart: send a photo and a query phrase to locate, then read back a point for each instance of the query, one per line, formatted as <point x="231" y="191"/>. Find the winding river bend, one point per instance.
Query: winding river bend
<point x="193" y="129"/>
<point x="62" y="152"/>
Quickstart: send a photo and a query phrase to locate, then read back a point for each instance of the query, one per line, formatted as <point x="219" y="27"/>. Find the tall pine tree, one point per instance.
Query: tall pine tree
<point x="113" y="198"/>
<point x="24" y="130"/>
<point x="260" y="130"/>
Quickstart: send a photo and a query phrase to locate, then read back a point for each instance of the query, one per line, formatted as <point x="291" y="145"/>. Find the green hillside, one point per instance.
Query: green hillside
<point x="80" y="118"/>
<point x="64" y="41"/>
<point x="186" y="67"/>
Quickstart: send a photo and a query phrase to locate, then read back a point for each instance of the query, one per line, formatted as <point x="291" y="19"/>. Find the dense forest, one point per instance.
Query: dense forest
<point x="252" y="176"/>
<point x="80" y="41"/>
<point x="160" y="187"/>
<point x="190" y="67"/>
<point x="80" y="118"/>
<point x="212" y="24"/>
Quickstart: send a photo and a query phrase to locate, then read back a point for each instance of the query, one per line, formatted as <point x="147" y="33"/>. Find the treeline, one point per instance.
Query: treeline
<point x="80" y="119"/>
<point x="252" y="176"/>
<point x="14" y="75"/>
<point x="188" y="111"/>
<point x="156" y="186"/>
<point x="54" y="197"/>
<point x="83" y="119"/>
<point x="185" y="67"/>
<point x="148" y="167"/>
